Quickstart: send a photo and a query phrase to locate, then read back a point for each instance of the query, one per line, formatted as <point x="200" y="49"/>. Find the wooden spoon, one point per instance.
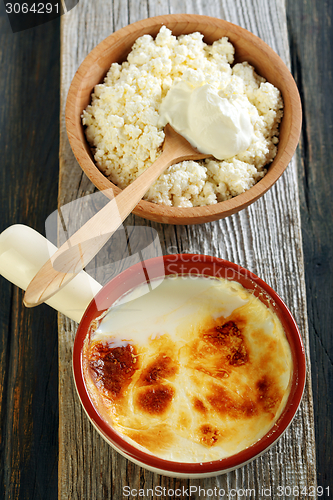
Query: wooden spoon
<point x="83" y="245"/>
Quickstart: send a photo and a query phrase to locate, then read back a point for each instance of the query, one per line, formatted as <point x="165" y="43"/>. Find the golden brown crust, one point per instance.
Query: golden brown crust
<point x="199" y="406"/>
<point x="208" y="435"/>
<point x="230" y="342"/>
<point x="219" y="351"/>
<point x="112" y="367"/>
<point x="156" y="399"/>
<point x="230" y="404"/>
<point x="268" y="395"/>
<point x="214" y="388"/>
<point x="161" y="368"/>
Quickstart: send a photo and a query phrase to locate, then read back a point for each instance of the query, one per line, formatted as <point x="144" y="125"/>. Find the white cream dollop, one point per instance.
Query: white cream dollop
<point x="213" y="124"/>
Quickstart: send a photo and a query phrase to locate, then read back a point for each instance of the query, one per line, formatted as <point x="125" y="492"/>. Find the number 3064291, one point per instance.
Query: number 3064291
<point x="296" y="491"/>
<point x="36" y="8"/>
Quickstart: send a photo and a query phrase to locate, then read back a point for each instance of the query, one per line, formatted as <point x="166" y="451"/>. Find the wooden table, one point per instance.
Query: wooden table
<point x="270" y="245"/>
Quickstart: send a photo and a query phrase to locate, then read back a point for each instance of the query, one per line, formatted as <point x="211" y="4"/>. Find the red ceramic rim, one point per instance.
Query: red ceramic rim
<point x="198" y="265"/>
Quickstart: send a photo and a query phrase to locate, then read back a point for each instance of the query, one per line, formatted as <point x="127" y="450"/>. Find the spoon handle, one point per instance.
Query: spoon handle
<point x="23" y="251"/>
<point x="83" y="245"/>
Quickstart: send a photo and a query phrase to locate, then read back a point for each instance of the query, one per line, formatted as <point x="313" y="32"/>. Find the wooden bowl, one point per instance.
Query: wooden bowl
<point x="248" y="47"/>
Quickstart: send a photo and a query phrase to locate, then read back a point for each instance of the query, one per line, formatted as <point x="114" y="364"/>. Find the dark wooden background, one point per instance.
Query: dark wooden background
<point x="29" y="140"/>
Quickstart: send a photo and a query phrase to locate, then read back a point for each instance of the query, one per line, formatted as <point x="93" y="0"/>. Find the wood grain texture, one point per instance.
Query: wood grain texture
<point x="264" y="238"/>
<point x="310" y="30"/>
<point x="28" y="187"/>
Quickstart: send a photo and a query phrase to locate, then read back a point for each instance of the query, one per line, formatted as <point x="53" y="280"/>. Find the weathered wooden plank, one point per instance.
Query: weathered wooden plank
<point x="28" y="191"/>
<point x="252" y="238"/>
<point x="310" y="30"/>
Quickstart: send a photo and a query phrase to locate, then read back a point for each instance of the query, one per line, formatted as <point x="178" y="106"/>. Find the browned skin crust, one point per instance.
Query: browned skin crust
<point x="219" y="351"/>
<point x="112" y="367"/>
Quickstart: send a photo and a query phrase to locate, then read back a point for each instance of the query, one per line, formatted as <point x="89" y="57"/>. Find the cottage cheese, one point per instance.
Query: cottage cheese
<point x="122" y="119"/>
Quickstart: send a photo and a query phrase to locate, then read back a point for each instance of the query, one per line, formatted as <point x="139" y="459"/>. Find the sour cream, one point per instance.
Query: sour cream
<point x="210" y="122"/>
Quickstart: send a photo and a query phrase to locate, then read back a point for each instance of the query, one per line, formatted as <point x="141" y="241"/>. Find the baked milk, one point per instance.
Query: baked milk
<point x="196" y="370"/>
